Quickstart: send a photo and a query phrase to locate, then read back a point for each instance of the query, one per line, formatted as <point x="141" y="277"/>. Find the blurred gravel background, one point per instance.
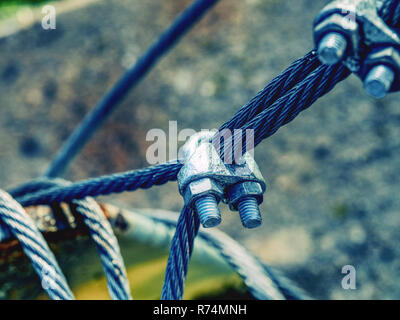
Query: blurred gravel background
<point x="332" y="173"/>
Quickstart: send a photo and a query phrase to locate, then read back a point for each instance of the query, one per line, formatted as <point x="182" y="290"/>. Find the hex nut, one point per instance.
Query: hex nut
<point x="389" y="56"/>
<point x="242" y="190"/>
<point x="338" y="23"/>
<point x="201" y="187"/>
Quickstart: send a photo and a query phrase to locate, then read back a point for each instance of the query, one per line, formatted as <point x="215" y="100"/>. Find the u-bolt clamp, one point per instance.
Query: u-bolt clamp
<point x="205" y="180"/>
<point x="352" y="32"/>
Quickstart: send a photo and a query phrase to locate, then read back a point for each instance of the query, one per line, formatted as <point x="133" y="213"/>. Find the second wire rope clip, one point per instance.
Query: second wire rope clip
<point x="352" y="32"/>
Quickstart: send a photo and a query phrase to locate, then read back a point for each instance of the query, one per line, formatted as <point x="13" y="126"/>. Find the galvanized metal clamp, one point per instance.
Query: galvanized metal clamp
<point x="205" y="180"/>
<point x="351" y="31"/>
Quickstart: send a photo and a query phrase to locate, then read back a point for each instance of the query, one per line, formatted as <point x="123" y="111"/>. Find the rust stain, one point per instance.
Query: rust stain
<point x="49" y="219"/>
<point x="46" y="219"/>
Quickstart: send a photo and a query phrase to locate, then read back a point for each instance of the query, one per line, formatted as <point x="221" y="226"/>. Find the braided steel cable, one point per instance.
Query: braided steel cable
<point x="35" y="247"/>
<point x="182" y="244"/>
<point x="101" y="233"/>
<point x="35" y="186"/>
<point x="286" y="108"/>
<point x="257" y="280"/>
<point x="107" y="246"/>
<point x="301" y="97"/>
<point x="280" y="85"/>
<point x="104" y="185"/>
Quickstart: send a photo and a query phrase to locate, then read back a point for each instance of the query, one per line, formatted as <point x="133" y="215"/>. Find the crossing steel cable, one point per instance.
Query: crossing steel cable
<point x="107" y="246"/>
<point x="301" y="97"/>
<point x="115" y="183"/>
<point x="182" y="244"/>
<point x="35" y="247"/>
<point x="280" y="85"/>
<point x="287" y="107"/>
<point x="101" y="233"/>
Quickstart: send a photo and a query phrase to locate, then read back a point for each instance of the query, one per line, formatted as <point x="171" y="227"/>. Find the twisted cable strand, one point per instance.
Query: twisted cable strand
<point x="101" y="233"/>
<point x="287" y="107"/>
<point x="107" y="246"/>
<point x="115" y="183"/>
<point x="301" y="97"/>
<point x="280" y="85"/>
<point x="182" y="244"/>
<point x="35" y="247"/>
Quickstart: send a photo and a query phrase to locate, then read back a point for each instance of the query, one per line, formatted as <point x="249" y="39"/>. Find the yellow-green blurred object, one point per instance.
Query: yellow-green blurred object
<point x="10" y="7"/>
<point x="146" y="267"/>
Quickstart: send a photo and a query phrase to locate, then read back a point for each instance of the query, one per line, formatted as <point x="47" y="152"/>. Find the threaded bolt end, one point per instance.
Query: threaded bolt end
<point x="332" y="48"/>
<point x="249" y="212"/>
<point x="378" y="81"/>
<point x="207" y="209"/>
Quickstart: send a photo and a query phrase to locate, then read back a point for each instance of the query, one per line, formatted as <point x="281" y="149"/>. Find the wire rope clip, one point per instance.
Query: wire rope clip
<point x="205" y="180"/>
<point x="352" y="32"/>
